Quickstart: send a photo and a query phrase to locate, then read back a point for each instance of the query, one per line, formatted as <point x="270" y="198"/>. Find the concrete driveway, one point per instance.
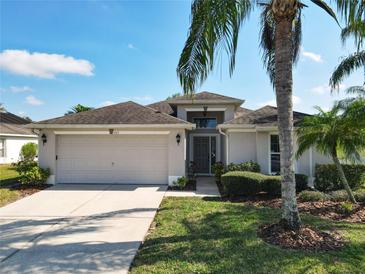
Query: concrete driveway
<point x="77" y="228"/>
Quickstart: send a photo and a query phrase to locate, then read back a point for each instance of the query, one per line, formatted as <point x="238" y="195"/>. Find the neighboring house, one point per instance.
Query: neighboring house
<point x="129" y="143"/>
<point x="13" y="135"/>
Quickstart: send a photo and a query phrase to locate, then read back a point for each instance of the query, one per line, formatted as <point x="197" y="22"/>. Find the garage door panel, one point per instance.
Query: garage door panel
<point x="112" y="159"/>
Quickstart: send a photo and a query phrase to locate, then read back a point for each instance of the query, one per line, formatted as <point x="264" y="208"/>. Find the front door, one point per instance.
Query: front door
<point x="204" y="153"/>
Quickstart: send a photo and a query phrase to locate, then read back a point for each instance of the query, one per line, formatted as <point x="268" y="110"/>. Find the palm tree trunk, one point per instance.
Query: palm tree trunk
<point x="343" y="177"/>
<point x="283" y="88"/>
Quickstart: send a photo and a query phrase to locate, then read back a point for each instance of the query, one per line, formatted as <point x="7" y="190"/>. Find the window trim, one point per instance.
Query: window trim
<point x="270" y="152"/>
<point x="3" y="140"/>
<point x="199" y="117"/>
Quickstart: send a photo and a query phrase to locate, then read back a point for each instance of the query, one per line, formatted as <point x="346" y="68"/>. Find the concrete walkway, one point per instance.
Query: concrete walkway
<point x="205" y="187"/>
<point x="77" y="228"/>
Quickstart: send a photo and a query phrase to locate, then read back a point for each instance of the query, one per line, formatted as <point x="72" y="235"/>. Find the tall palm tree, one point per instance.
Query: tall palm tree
<point x="215" y="25"/>
<point x="331" y="132"/>
<point x="78" y="108"/>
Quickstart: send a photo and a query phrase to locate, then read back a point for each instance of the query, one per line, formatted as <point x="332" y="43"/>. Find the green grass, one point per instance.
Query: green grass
<point x="197" y="236"/>
<point x="8" y="175"/>
<point x="8" y="195"/>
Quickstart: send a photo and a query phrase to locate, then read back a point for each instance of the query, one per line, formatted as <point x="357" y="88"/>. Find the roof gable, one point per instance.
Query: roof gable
<point x="265" y="116"/>
<point x="204" y="97"/>
<point x="123" y="113"/>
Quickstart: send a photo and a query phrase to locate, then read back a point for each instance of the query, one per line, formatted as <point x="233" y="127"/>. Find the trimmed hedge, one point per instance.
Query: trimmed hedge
<point x="312" y="196"/>
<point x="245" y="166"/>
<point x="327" y="178"/>
<point x="236" y="183"/>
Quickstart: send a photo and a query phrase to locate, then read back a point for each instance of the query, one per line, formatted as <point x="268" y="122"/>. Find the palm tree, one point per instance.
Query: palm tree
<point x="78" y="108"/>
<point x="333" y="132"/>
<point x="215" y="25"/>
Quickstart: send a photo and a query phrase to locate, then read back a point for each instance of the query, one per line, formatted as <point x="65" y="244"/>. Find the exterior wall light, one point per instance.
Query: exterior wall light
<point x="44" y="138"/>
<point x="205" y="109"/>
<point x="178" y="138"/>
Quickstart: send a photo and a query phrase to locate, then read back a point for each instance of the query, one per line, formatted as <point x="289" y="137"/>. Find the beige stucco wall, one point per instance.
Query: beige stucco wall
<point x="242" y="147"/>
<point x="13" y="145"/>
<point x="176" y="152"/>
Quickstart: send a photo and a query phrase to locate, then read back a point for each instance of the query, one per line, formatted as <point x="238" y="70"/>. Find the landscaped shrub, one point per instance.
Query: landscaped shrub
<point x="327" y="178"/>
<point x="31" y="174"/>
<point x="245" y="166"/>
<point x="28" y="152"/>
<point x="219" y="170"/>
<point x="236" y="183"/>
<point x="360" y="196"/>
<point x="181" y="182"/>
<point x="338" y="196"/>
<point x="272" y="185"/>
<point x="301" y="182"/>
<point x="312" y="196"/>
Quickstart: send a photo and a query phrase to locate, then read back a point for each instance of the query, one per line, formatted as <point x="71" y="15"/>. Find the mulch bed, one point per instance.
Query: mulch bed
<point x="190" y="186"/>
<point x="306" y="238"/>
<point x="325" y="209"/>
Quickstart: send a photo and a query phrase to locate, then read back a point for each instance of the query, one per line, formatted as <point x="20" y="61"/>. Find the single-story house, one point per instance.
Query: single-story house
<point x="129" y="143"/>
<point x="13" y="135"/>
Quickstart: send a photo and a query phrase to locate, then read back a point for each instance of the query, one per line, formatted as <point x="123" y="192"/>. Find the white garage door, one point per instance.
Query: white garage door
<point x="122" y="159"/>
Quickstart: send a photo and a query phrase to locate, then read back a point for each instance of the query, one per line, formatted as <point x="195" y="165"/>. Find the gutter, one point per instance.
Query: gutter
<point x="188" y="126"/>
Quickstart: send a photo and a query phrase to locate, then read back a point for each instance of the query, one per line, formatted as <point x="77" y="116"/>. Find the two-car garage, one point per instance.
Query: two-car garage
<point x="121" y="159"/>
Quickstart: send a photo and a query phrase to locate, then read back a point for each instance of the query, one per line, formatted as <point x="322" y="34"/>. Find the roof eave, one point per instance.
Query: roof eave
<point x="188" y="126"/>
<point x="206" y="102"/>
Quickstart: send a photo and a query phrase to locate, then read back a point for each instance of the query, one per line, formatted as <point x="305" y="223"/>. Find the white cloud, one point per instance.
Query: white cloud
<point x="107" y="103"/>
<point x="16" y="89"/>
<point x="31" y="100"/>
<point x="43" y="65"/>
<point x="324" y="89"/>
<point x="131" y="46"/>
<point x="296" y="101"/>
<point x="311" y="55"/>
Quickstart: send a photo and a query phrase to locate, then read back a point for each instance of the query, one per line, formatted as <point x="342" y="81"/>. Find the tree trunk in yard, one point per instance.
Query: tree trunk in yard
<point x="343" y="177"/>
<point x="284" y="12"/>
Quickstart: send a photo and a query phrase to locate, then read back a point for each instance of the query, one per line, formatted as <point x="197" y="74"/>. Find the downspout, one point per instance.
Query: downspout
<point x="227" y="140"/>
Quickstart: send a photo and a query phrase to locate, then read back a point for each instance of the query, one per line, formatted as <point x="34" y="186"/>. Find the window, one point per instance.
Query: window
<point x="205" y="122"/>
<point x="2" y="147"/>
<point x="274" y="154"/>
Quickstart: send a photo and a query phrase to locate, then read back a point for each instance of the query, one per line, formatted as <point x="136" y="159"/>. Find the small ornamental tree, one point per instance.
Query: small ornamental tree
<point x="28" y="152"/>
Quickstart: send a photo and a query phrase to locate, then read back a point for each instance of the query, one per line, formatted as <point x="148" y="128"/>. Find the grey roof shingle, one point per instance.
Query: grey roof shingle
<point x="10" y="118"/>
<point x="122" y="113"/>
<point x="163" y="106"/>
<point x="14" y="129"/>
<point x="265" y="116"/>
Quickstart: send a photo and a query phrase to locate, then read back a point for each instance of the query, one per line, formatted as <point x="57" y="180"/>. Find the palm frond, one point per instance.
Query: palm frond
<point x="214" y="25"/>
<point x="267" y="41"/>
<point x="355" y="30"/>
<point x="323" y="5"/>
<point x="346" y="67"/>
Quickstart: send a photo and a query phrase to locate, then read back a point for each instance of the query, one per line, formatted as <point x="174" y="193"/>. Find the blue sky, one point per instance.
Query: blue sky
<point x="55" y="54"/>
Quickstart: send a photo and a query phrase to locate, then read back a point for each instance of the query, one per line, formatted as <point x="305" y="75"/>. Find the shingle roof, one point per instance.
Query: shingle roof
<point x="265" y="116"/>
<point x="205" y="96"/>
<point x="10" y="118"/>
<point x="163" y="106"/>
<point x="242" y="111"/>
<point x="123" y="113"/>
<point x="14" y="129"/>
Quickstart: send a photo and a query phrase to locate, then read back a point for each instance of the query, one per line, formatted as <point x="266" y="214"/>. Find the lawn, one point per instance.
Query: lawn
<point x="197" y="236"/>
<point x="8" y="175"/>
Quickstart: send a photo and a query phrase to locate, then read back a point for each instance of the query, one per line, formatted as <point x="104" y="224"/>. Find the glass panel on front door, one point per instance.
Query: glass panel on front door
<point x="204" y="153"/>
